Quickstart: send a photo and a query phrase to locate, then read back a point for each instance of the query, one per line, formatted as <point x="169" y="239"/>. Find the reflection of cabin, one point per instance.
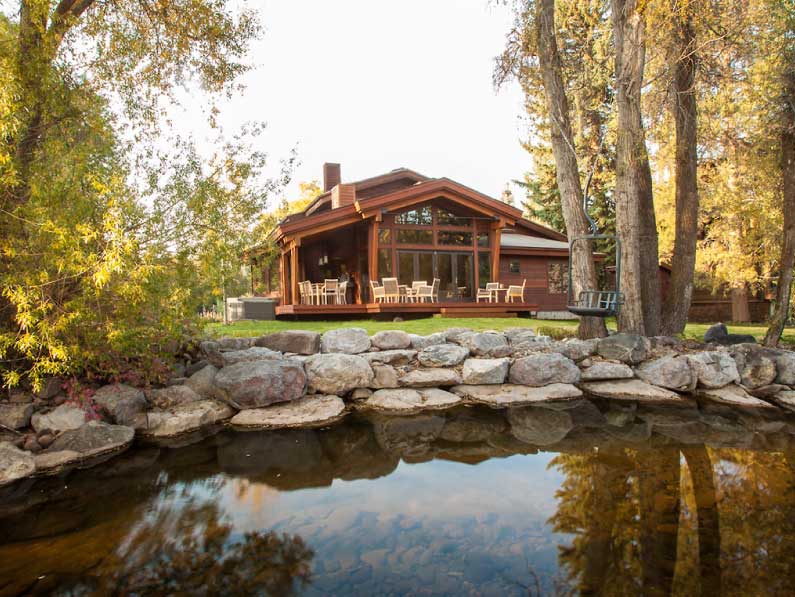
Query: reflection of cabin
<point x="405" y="225"/>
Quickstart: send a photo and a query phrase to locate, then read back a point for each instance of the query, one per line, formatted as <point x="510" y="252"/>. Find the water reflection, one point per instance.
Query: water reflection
<point x="587" y="499"/>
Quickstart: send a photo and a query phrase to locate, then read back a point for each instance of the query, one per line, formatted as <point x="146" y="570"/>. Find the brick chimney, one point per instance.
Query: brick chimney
<point x="331" y="176"/>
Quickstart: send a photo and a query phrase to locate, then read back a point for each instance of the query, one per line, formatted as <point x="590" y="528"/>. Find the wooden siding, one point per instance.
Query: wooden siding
<point x="535" y="270"/>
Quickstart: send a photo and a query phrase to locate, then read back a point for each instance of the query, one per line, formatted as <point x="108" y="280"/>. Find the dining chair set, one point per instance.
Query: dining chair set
<point x="328" y="292"/>
<point x="390" y="291"/>
<point x="491" y="292"/>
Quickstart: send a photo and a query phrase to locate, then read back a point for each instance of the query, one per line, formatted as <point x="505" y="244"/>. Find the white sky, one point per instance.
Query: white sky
<point x="376" y="85"/>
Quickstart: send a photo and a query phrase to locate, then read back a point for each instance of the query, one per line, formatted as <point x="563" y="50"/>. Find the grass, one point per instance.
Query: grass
<point x="429" y="325"/>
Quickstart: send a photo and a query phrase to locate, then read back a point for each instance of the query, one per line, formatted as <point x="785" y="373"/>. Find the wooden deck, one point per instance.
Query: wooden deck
<point x="448" y="309"/>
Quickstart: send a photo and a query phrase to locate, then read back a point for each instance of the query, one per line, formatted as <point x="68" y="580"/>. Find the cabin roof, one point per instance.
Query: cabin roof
<point x="524" y="241"/>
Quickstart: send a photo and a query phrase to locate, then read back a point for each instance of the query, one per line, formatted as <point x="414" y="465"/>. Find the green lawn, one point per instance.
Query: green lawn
<point x="430" y="325"/>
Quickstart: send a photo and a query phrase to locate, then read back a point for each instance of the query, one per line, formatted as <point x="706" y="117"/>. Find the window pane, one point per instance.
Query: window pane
<point x="384" y="236"/>
<point x="464" y="273"/>
<point x="514" y="267"/>
<point x="444" y="271"/>
<point x="484" y="269"/>
<point x="421" y="216"/>
<point x="405" y="267"/>
<point x="426" y="267"/>
<point x="384" y="263"/>
<point x="446" y="218"/>
<point x="460" y="239"/>
<point x="418" y="237"/>
<point x="558" y="278"/>
<point x="483" y="239"/>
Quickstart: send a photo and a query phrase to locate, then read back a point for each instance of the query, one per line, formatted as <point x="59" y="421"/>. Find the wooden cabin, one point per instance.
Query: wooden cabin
<point x="409" y="226"/>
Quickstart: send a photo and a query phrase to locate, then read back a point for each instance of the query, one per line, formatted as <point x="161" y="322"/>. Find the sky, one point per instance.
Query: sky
<point x="377" y="85"/>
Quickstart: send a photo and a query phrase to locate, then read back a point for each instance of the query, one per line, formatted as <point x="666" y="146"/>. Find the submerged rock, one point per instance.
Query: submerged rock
<point x="409" y="400"/>
<point x="511" y="394"/>
<point x="429" y="378"/>
<point x="442" y="355"/>
<point x="539" y="426"/>
<point x="186" y="418"/>
<point x="485" y="371"/>
<point x="61" y="418"/>
<point x="345" y="340"/>
<point x="15" y="464"/>
<point x="295" y="341"/>
<point x="122" y="403"/>
<point x="627" y="348"/>
<point x="259" y="383"/>
<point x="391" y="339"/>
<point x="542" y="369"/>
<point x="309" y="411"/>
<point x="337" y="373"/>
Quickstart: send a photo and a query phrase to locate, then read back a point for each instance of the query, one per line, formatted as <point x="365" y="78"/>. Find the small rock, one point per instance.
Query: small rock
<point x="513" y="395"/>
<point x="60" y="419"/>
<point x="408" y="400"/>
<point x="632" y="389"/>
<point x="203" y="382"/>
<point x="734" y="395"/>
<point x="50" y="388"/>
<point x="576" y="349"/>
<point x="122" y="403"/>
<point x="295" y="341"/>
<point x="384" y="376"/>
<point x="260" y="383"/>
<point x="627" y="348"/>
<point x="32" y="444"/>
<point x="45" y="440"/>
<point x="442" y="355"/>
<point x="15" y="415"/>
<point x="785" y="368"/>
<point x="361" y="393"/>
<point x="420" y="342"/>
<point x="172" y="396"/>
<point x="391" y="340"/>
<point x="714" y="369"/>
<point x="454" y="333"/>
<point x="390" y="357"/>
<point x="542" y="369"/>
<point x="345" y="340"/>
<point x="766" y="392"/>
<point x="429" y="378"/>
<point x="194" y="368"/>
<point x="485" y="371"/>
<point x="785" y="399"/>
<point x="15" y="464"/>
<point x="756" y="365"/>
<point x="186" y="418"/>
<point x="309" y="411"/>
<point x="337" y="373"/>
<point x="672" y="372"/>
<point x="255" y="353"/>
<point x="486" y="344"/>
<point x="235" y="343"/>
<point x="602" y="370"/>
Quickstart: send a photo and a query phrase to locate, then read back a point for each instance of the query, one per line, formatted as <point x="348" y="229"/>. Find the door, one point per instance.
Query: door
<point x="455" y="271"/>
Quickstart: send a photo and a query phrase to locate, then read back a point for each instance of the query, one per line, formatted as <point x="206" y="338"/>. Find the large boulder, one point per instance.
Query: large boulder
<point x="294" y="341"/>
<point x="714" y="369"/>
<point x="785" y="368"/>
<point x="514" y="395"/>
<point x="542" y="369"/>
<point x="186" y="418"/>
<point x="455" y="333"/>
<point x="165" y="398"/>
<point x="442" y="355"/>
<point x="576" y="349"/>
<point x="309" y="411"/>
<point x="259" y="383"/>
<point x="627" y="348"/>
<point x="406" y="400"/>
<point x="672" y="372"/>
<point x="235" y="343"/>
<point x="123" y="404"/>
<point x="384" y="376"/>
<point x="255" y="353"/>
<point x="94" y="439"/>
<point x="632" y="389"/>
<point x="785" y="399"/>
<point x="602" y="370"/>
<point x="203" y="382"/>
<point x="717" y="333"/>
<point x="391" y="340"/>
<point x="15" y="415"/>
<point x="337" y="373"/>
<point x="420" y="342"/>
<point x="61" y="418"/>
<point x="539" y="426"/>
<point x="346" y="341"/>
<point x="390" y="357"/>
<point x="485" y="371"/>
<point x="15" y="464"/>
<point x="756" y="365"/>
<point x="485" y="344"/>
<point x="734" y="395"/>
<point x="429" y="378"/>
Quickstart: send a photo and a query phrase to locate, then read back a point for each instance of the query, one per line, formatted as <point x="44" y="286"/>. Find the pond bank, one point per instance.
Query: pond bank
<point x="301" y="379"/>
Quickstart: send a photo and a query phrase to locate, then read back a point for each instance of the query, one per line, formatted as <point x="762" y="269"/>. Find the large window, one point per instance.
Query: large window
<point x="385" y="263"/>
<point x="483" y="240"/>
<point x="447" y="218"/>
<point x="484" y="269"/>
<point x="421" y="216"/>
<point x="384" y="236"/>
<point x="558" y="278"/>
<point x="455" y="238"/>
<point x="415" y="237"/>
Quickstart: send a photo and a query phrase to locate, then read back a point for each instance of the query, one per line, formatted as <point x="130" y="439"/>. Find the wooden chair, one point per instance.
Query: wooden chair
<point x="415" y="286"/>
<point x="303" y="297"/>
<point x="377" y="291"/>
<point x="488" y="292"/>
<point x="515" y="291"/>
<point x="330" y="288"/>
<point x="431" y="293"/>
<point x="342" y="293"/>
<point x="391" y="290"/>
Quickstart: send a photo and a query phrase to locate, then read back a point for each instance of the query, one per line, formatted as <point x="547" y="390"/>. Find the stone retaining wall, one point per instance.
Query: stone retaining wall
<point x="304" y="379"/>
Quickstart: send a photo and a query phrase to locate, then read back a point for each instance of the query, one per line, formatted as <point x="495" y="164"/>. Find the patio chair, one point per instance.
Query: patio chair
<point x="377" y="291"/>
<point x="430" y="293"/>
<point x="302" y="293"/>
<point x="391" y="290"/>
<point x="415" y="286"/>
<point x="488" y="292"/>
<point x="515" y="291"/>
<point x="330" y="290"/>
<point x="342" y="293"/>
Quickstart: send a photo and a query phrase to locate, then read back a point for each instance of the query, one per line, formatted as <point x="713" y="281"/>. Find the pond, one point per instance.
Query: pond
<point x="589" y="499"/>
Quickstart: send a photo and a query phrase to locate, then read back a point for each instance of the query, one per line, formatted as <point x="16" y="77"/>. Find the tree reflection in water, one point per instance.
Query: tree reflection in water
<point x="188" y="548"/>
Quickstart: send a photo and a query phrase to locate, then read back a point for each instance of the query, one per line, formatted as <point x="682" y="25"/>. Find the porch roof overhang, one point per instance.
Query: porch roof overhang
<point x="374" y="207"/>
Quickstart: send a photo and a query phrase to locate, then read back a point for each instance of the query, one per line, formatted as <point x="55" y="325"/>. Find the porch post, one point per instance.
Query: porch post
<point x="495" y="253"/>
<point x="284" y="286"/>
<point x="294" y="274"/>
<point x="372" y="252"/>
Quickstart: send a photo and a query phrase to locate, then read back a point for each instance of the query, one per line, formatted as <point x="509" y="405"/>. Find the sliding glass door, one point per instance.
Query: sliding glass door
<point x="455" y="271"/>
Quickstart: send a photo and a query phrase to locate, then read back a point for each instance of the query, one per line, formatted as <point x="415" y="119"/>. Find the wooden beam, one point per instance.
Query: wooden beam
<point x="495" y="255"/>
<point x="294" y="275"/>
<point x="372" y="250"/>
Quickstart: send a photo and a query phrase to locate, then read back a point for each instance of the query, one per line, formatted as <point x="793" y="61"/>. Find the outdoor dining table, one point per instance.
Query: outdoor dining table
<point x="495" y="294"/>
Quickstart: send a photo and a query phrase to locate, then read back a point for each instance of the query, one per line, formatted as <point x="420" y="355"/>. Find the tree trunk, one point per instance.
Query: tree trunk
<point x="741" y="313"/>
<point x="784" y="289"/>
<point x="566" y="168"/>
<point x="684" y="110"/>
<point x="635" y="221"/>
<point x="706" y="499"/>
